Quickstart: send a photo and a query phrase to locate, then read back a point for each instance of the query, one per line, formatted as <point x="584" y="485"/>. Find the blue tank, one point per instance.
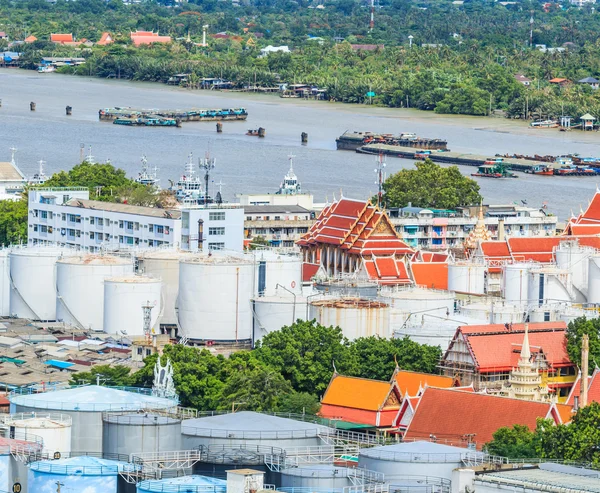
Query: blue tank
<point x="183" y="484"/>
<point x="84" y="473"/>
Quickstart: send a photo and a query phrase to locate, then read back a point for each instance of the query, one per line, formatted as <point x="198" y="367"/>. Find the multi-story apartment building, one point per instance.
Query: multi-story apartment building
<point x="280" y="225"/>
<point x="66" y="216"/>
<point x="430" y="229"/>
<point x="212" y="227"/>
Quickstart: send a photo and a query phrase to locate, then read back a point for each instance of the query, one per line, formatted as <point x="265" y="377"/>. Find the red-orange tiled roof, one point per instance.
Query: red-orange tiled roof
<point x="558" y="80"/>
<point x="357" y="393"/>
<point x="30" y="39"/>
<point x="409" y="382"/>
<point x="593" y="389"/>
<point x="574" y="229"/>
<point x="61" y="38"/>
<point x="452" y="414"/>
<point x="539" y="249"/>
<point x="434" y="257"/>
<point x="565" y="411"/>
<point x="309" y="271"/>
<point x="383" y="270"/>
<point x="431" y="275"/>
<point x="146" y="40"/>
<point x="503" y="328"/>
<point x="592" y="213"/>
<point x="105" y="39"/>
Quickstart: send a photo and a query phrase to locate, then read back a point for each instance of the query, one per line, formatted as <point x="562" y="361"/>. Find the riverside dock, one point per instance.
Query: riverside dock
<point x="190" y="115"/>
<point x="448" y="157"/>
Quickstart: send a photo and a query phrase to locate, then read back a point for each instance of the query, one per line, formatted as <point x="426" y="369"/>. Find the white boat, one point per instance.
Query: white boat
<point x="147" y="177"/>
<point x="40" y="177"/>
<point x="188" y="189"/>
<point x="290" y="184"/>
<point x="46" y="69"/>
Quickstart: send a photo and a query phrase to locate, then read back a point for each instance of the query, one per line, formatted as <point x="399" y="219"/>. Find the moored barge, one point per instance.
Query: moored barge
<point x="191" y="115"/>
<point x="351" y="141"/>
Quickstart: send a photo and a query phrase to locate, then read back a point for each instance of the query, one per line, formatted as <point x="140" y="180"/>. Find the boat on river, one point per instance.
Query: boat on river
<point x="189" y="188"/>
<point x="497" y="170"/>
<point x="351" y="141"/>
<point x="191" y="115"/>
<point x="148" y="122"/>
<point x="147" y="177"/>
<point x="540" y="169"/>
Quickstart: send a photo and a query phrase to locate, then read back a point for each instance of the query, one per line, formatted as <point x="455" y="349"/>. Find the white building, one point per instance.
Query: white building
<point x="280" y="225"/>
<point x="273" y="49"/>
<point x="212" y="227"/>
<point x="66" y="216"/>
<point x="430" y="229"/>
<point x="12" y="180"/>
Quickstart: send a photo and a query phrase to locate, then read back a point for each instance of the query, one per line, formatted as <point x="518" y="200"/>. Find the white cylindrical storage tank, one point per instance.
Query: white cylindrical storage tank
<point x="493" y="312"/>
<point x="164" y="265"/>
<point x="183" y="484"/>
<point x="273" y="312"/>
<point x="549" y="285"/>
<point x="85" y="406"/>
<point x="325" y="477"/>
<point x="33" y="282"/>
<point x="251" y="429"/>
<point x="215" y="294"/>
<point x="466" y="277"/>
<point x="77" y="474"/>
<point x="356" y="317"/>
<point x="53" y="428"/>
<point x="516" y="282"/>
<point x="276" y="272"/>
<point x="80" y="287"/>
<point x="123" y="301"/>
<point x="574" y="258"/>
<point x="594" y="279"/>
<point x="127" y="433"/>
<point x="420" y="458"/>
<point x="4" y="283"/>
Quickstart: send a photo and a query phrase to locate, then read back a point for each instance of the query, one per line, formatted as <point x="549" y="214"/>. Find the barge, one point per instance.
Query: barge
<point x="351" y="141"/>
<point x="191" y="115"/>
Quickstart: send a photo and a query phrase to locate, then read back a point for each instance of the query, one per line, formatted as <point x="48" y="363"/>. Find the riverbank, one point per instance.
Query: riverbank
<point x="247" y="164"/>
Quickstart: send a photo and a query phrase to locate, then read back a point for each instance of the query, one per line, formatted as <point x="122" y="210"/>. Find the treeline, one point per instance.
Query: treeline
<point x="287" y="372"/>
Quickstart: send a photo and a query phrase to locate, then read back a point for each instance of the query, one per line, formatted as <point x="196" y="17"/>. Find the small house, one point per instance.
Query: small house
<point x="590" y="81"/>
<point x="3" y="35"/>
<point x="30" y="39"/>
<point x="587" y="121"/>
<point x="559" y="81"/>
<point x="105" y="39"/>
<point x="61" y="38"/>
<point x="523" y="80"/>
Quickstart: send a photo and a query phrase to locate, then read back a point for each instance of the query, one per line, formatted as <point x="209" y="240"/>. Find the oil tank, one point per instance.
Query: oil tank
<point x="53" y="428"/>
<point x="85" y="406"/>
<point x="140" y="432"/>
<point x="123" y="301"/>
<point x="409" y="304"/>
<point x="215" y="294"/>
<point x="4" y="283"/>
<point x="549" y="285"/>
<point x="12" y="468"/>
<point x="326" y="477"/>
<point x="183" y="484"/>
<point x="273" y="312"/>
<point x="420" y="458"/>
<point x="594" y="279"/>
<point x="251" y="429"/>
<point x="493" y="312"/>
<point x="164" y="265"/>
<point x="276" y="272"/>
<point x="218" y="459"/>
<point x="348" y="287"/>
<point x="33" y="282"/>
<point x="466" y="277"/>
<point x="83" y="474"/>
<point x="355" y="316"/>
<point x="80" y="287"/>
<point x="516" y="282"/>
<point x="572" y="257"/>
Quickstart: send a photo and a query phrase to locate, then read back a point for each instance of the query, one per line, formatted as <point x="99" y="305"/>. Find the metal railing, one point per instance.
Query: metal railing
<point x="418" y="484"/>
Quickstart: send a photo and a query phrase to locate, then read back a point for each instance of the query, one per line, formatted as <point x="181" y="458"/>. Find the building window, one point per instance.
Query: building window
<point x="100" y="221"/>
<point x="167" y="230"/>
<point x="106" y="236"/>
<point x="35" y="227"/>
<point x="129" y="224"/>
<point x="136" y="226"/>
<point x="185" y="220"/>
<point x="43" y="228"/>
<point x="151" y="228"/>
<point x="140" y="351"/>
<point x="121" y="224"/>
<point x="216" y="216"/>
<point x="64" y="216"/>
<point x="148" y="352"/>
<point x="91" y="235"/>
<point x="160" y="229"/>
<point x="120" y="239"/>
<point x="277" y="218"/>
<point x="44" y="214"/>
<point x="216" y="246"/>
<point x="302" y="230"/>
<point x="261" y="231"/>
<point x="74" y="218"/>
<point x="129" y="240"/>
<point x="216" y="231"/>
<point x="92" y="220"/>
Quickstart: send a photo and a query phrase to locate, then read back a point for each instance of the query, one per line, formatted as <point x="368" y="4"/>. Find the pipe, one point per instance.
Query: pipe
<point x="294" y="295"/>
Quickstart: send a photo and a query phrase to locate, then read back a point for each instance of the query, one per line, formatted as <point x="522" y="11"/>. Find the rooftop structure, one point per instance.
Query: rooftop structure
<point x="148" y="37"/>
<point x="574" y="398"/>
<point x="61" y="38"/>
<point x="468" y="418"/>
<point x="352" y="236"/>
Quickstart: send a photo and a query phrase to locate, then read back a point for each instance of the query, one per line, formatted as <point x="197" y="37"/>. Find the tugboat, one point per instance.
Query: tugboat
<point x="145" y="177"/>
<point x="540" y="169"/>
<point x="188" y="189"/>
<point x="290" y="184"/>
<point x="497" y="170"/>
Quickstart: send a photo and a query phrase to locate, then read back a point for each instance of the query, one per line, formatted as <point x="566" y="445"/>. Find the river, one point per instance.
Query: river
<point x="251" y="165"/>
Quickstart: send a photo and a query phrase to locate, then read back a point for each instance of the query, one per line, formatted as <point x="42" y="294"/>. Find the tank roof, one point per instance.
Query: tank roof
<point x="251" y="425"/>
<point x="82" y="465"/>
<point x="145" y="419"/>
<point x="349" y="303"/>
<point x="186" y="484"/>
<point x="96" y="260"/>
<point x="38" y="422"/>
<point x="419" y="451"/>
<point x="92" y="398"/>
<point x="164" y="254"/>
<point x="418" y="294"/>
<point x="133" y="279"/>
<point x="319" y="471"/>
<point x="216" y="259"/>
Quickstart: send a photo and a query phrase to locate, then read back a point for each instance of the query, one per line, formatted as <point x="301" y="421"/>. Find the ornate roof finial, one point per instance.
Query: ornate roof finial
<point x="334" y="368"/>
<point x="163" y="385"/>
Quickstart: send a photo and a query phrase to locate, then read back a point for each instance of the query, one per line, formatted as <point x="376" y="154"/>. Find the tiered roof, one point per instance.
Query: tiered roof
<point x="360" y="393"/>
<point x="593" y="389"/>
<point x="61" y="38"/>
<point x="454" y="415"/>
<point x="496" y="347"/>
<point x="412" y="382"/>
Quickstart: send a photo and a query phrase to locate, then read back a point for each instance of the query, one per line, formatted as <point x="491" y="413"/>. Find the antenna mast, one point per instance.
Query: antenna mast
<point x="207" y="164"/>
<point x="147" y="309"/>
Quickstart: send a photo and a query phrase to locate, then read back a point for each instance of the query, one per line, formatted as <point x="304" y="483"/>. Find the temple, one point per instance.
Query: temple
<point x="355" y="237"/>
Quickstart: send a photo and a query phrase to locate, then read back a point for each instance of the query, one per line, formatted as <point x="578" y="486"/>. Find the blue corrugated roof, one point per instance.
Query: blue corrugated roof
<point x="59" y="364"/>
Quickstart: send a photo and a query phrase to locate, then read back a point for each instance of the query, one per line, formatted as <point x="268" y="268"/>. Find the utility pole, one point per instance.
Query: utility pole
<point x="531" y="30"/>
<point x="207" y="164"/>
<point x="58" y="486"/>
<point x="380" y="178"/>
<point x="372" y="23"/>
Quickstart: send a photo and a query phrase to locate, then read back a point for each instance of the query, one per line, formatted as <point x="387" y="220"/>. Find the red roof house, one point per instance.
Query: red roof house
<point x="351" y="236"/>
<point x="62" y="38"/>
<point x="574" y="398"/>
<point x="484" y="355"/>
<point x="460" y="417"/>
<point x="105" y="39"/>
<point x="147" y="37"/>
<point x="30" y="39"/>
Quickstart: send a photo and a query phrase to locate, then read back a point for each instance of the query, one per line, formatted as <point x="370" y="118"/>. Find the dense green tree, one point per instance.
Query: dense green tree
<point x="13" y="221"/>
<point x="516" y="443"/>
<point x="575" y="331"/>
<point x="117" y="376"/>
<point x="430" y="185"/>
